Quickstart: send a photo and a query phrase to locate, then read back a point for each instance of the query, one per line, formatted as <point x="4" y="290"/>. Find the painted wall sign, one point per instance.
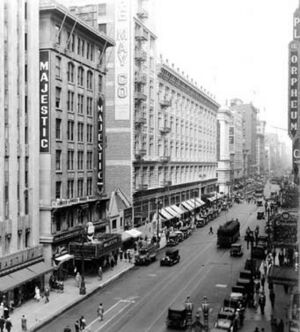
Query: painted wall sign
<point x="44" y="102"/>
<point x="122" y="61"/>
<point x="100" y="142"/>
<point x="296" y="25"/>
<point x="293" y="88"/>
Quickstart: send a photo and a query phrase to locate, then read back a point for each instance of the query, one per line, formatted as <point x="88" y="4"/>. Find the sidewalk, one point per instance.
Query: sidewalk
<point x="39" y="313"/>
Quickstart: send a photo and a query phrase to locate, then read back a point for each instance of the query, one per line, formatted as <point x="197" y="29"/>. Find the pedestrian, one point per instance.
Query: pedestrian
<point x="67" y="329"/>
<point x="78" y="279"/>
<point x="265" y="267"/>
<point x="37" y="295"/>
<point x="262" y="329"/>
<point x="129" y="256"/>
<point x="2" y="323"/>
<point x="100" y="273"/>
<point x="77" y="326"/>
<point x="24" y="323"/>
<point x="262" y="302"/>
<point x="47" y="294"/>
<point x="82" y="323"/>
<point x="256" y="329"/>
<point x="262" y="281"/>
<point x="210" y="231"/>
<point x="8" y="324"/>
<point x="100" y="312"/>
<point x="272" y="298"/>
<point x="280" y="327"/>
<point x="6" y="312"/>
<point x="121" y="254"/>
<point x="274" y="254"/>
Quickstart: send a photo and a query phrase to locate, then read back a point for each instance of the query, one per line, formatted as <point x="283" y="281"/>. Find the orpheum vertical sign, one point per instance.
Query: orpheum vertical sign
<point x="44" y="102"/>
<point x="293" y="88"/>
<point x="100" y="143"/>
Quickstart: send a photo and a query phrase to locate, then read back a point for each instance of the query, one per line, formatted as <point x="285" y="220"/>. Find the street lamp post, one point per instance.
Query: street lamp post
<point x="205" y="311"/>
<point x="82" y="289"/>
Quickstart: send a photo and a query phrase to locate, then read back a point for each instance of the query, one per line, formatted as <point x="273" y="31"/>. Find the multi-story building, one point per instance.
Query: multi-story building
<point x="21" y="255"/>
<point x="72" y="135"/>
<point x="225" y="137"/>
<point x="236" y="143"/>
<point x="130" y="86"/>
<point x="260" y="146"/>
<point x="249" y="113"/>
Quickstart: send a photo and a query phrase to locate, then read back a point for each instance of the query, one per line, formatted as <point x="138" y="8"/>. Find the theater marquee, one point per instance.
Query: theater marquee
<point x="293" y="89"/>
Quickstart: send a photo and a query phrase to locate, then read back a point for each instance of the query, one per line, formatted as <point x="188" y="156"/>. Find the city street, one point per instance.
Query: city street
<point x="139" y="300"/>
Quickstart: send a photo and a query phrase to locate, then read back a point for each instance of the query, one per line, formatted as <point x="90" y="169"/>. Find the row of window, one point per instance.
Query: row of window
<point x="71" y="160"/>
<point x="70" y="131"/>
<point x="75" y="192"/>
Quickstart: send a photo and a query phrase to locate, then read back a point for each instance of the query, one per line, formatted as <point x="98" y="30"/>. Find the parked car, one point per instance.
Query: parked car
<point x="236" y="250"/>
<point x="261" y="214"/>
<point x="200" y="222"/>
<point x="146" y="255"/>
<point x="171" y="257"/>
<point x="172" y="240"/>
<point x="179" y="235"/>
<point x="177" y="317"/>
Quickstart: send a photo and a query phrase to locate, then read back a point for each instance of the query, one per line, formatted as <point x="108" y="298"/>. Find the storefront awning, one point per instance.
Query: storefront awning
<point x="211" y="199"/>
<point x="283" y="275"/>
<point x="200" y="201"/>
<point x="131" y="233"/>
<point x="172" y="212"/>
<point x="17" y="278"/>
<point x="187" y="206"/>
<point x="178" y="209"/>
<point x="165" y="214"/>
<point x="63" y="258"/>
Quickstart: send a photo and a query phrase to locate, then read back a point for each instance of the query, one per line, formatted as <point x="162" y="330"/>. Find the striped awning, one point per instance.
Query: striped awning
<point x="172" y="212"/>
<point x="165" y="214"/>
<point x="178" y="209"/>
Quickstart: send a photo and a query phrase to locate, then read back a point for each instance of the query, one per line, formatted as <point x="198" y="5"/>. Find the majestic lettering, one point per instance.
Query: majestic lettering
<point x="100" y="142"/>
<point x="44" y="102"/>
<point x="296" y="25"/>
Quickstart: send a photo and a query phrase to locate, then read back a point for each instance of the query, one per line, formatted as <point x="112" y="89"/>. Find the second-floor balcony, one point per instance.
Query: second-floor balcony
<point x="140" y="55"/>
<point x="164" y="102"/>
<point x="164" y="130"/>
<point x="140" y="96"/>
<point x="164" y="159"/>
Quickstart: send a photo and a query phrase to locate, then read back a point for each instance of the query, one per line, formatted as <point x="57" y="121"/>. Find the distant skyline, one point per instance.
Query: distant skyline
<point x="233" y="48"/>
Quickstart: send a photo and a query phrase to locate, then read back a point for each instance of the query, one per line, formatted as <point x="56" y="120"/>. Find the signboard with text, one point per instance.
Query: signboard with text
<point x="293" y="89"/>
<point x="100" y="143"/>
<point x="296" y="25"/>
<point x="296" y="159"/>
<point x="122" y="60"/>
<point x="44" y="102"/>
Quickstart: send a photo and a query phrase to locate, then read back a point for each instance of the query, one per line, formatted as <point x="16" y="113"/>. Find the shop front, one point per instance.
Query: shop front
<point x="20" y="273"/>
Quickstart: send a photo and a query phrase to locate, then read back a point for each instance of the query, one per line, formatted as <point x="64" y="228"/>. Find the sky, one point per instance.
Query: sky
<point x="233" y="48"/>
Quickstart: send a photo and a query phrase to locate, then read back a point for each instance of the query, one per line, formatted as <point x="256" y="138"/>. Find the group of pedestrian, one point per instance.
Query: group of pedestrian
<point x="79" y="325"/>
<point x="5" y="321"/>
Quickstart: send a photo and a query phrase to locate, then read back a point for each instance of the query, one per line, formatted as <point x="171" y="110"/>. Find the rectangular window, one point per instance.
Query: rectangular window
<point x="80" y="76"/>
<point x="58" y="129"/>
<point x="70" y="101"/>
<point x="102" y="9"/>
<point x="58" y="67"/>
<point x="89" y="186"/>
<point x="87" y="50"/>
<point x="80" y="160"/>
<point x="80" y="132"/>
<point x="78" y="45"/>
<point x="73" y="42"/>
<point x="58" y="34"/>
<point x="58" y="160"/>
<point x="25" y="41"/>
<point x="89" y="133"/>
<point x="80" y="187"/>
<point x="92" y="52"/>
<point x="57" y="97"/>
<point x="70" y="161"/>
<point x="89" y="160"/>
<point x="70" y="189"/>
<point x="70" y="72"/>
<point x="89" y="106"/>
<point x="58" y="189"/>
<point x="80" y="104"/>
<point x="100" y="83"/>
<point x="25" y="73"/>
<point x="114" y="224"/>
<point x="102" y="27"/>
<point x="82" y="47"/>
<point x="70" y="130"/>
<point x="89" y="80"/>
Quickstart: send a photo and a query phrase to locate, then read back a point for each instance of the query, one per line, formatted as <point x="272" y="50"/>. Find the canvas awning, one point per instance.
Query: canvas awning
<point x="131" y="233"/>
<point x="178" y="209"/>
<point x="165" y="214"/>
<point x="172" y="212"/>
<point x="187" y="206"/>
<point x="63" y="258"/>
<point x="211" y="199"/>
<point x="22" y="276"/>
<point x="200" y="201"/>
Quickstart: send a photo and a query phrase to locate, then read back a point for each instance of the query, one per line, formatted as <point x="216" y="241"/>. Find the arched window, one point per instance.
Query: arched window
<point x="89" y="80"/>
<point x="80" y="76"/>
<point x="71" y="72"/>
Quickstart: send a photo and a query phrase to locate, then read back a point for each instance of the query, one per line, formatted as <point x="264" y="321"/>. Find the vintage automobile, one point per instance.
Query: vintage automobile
<point x="224" y="206"/>
<point x="246" y="274"/>
<point x="263" y="241"/>
<point x="226" y="319"/>
<point x="234" y="300"/>
<point x="177" y="317"/>
<point x="236" y="250"/>
<point x="259" y="202"/>
<point x="186" y="230"/>
<point x="225" y="325"/>
<point x="172" y="240"/>
<point x="171" y="257"/>
<point x="179" y="235"/>
<point x="261" y="214"/>
<point x="200" y="222"/>
<point x="146" y="254"/>
<point x="259" y="252"/>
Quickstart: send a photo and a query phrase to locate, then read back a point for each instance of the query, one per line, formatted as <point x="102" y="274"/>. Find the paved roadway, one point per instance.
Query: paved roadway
<point x="138" y="301"/>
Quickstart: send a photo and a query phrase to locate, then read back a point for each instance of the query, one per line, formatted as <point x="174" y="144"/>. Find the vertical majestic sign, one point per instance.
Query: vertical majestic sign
<point x="293" y="88"/>
<point x="44" y="102"/>
<point x="296" y="25"/>
<point x="122" y="60"/>
<point x="100" y="143"/>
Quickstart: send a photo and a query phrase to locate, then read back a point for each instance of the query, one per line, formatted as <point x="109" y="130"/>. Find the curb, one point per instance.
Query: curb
<point x="72" y="304"/>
